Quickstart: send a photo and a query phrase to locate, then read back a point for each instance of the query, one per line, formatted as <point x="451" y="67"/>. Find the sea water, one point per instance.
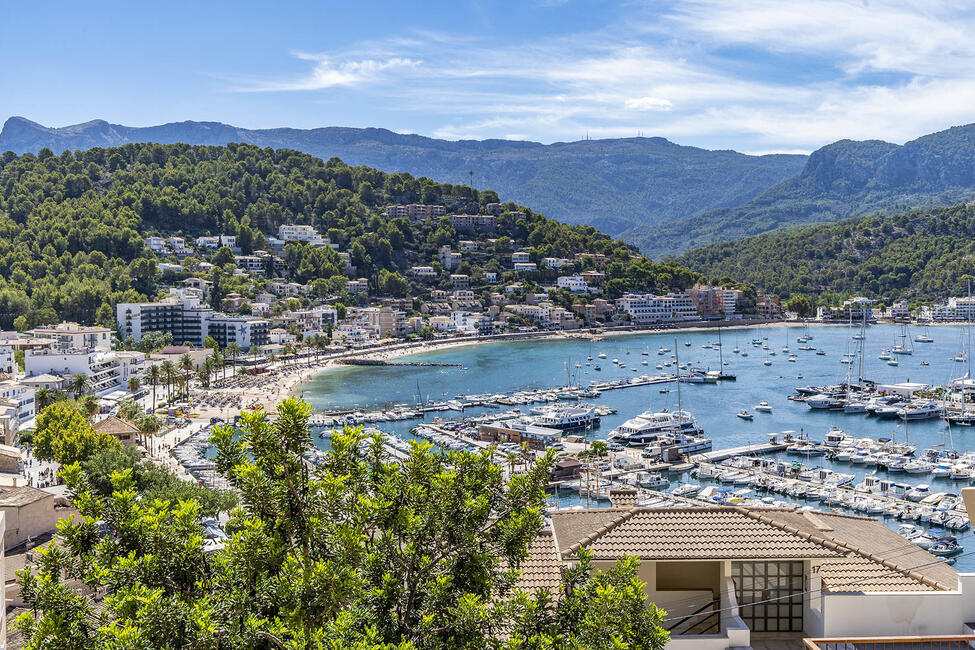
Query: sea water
<point x="510" y="366"/>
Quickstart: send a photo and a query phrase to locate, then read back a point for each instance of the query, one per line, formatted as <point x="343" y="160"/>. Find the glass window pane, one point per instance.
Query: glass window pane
<point x="772" y="625"/>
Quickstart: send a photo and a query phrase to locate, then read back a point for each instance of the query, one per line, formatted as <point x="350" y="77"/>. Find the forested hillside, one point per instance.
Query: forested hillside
<point x="926" y="255"/>
<point x="612" y="184"/>
<point x="841" y="180"/>
<point x="72" y="227"/>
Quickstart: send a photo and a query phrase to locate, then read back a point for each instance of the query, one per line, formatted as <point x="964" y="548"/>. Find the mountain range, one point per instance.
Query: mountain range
<point x="664" y="197"/>
<point x="615" y="185"/>
<point x="920" y="254"/>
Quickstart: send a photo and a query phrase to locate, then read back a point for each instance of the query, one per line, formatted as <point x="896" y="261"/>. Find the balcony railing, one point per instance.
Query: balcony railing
<point x="893" y="643"/>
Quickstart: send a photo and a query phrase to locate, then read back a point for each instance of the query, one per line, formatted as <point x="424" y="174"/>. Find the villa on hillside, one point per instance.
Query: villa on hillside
<point x="728" y="576"/>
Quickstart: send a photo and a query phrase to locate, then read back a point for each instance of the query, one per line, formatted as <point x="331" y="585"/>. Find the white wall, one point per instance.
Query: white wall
<point x="900" y="613"/>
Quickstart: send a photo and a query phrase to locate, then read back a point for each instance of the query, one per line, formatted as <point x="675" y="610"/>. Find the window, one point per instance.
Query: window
<point x="769" y="595"/>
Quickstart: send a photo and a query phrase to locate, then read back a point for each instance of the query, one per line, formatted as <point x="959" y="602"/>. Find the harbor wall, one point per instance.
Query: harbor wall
<point x="900" y="613"/>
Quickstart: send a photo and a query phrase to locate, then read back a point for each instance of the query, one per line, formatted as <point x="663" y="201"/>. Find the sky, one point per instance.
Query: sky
<point x="751" y="75"/>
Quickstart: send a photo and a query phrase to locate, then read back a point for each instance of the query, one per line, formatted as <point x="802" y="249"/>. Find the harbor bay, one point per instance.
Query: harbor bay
<point x="762" y="375"/>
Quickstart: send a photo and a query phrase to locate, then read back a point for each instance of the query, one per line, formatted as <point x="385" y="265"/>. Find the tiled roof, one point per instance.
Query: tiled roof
<point x="115" y="426"/>
<point x="878" y="558"/>
<point x="687" y="533"/>
<point x="859" y="554"/>
<point x="542" y="569"/>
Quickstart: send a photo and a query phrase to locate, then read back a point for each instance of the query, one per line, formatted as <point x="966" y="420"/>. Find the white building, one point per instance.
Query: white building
<point x="520" y="257"/>
<point x="646" y="308"/>
<point x="74" y="336"/>
<point x="157" y="245"/>
<point x="957" y="309"/>
<point x="19" y="397"/>
<point x="490" y="276"/>
<point x="216" y="241"/>
<point x="302" y="233"/>
<point x="106" y="371"/>
<point x="574" y="283"/>
<point x="525" y="266"/>
<point x="858" y="308"/>
<point x="188" y="320"/>
<point x="472" y="323"/>
<point x="424" y="273"/>
<point x="358" y="286"/>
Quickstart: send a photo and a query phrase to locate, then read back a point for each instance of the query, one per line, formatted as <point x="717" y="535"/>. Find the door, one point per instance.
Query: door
<point x="769" y="595"/>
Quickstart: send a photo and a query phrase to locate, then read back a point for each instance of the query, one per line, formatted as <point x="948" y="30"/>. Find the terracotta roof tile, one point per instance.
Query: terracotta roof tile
<point x="683" y="533"/>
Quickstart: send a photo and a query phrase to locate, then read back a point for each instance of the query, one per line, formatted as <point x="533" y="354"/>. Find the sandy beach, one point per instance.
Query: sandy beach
<point x="284" y="378"/>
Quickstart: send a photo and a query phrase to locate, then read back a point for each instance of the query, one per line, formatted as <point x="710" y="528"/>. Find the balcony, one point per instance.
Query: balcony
<point x="893" y="643"/>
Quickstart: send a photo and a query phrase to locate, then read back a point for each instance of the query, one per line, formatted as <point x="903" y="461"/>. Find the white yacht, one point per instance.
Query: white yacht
<point x="763" y="407"/>
<point x="566" y="417"/>
<point x="649" y="427"/>
<point x="922" y="410"/>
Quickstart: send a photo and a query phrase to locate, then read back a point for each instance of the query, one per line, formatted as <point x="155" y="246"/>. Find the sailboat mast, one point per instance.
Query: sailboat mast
<point x="677" y="361"/>
<point x="720" y="351"/>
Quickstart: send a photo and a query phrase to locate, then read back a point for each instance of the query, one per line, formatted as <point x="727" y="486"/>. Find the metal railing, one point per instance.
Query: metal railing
<point x="703" y="620"/>
<point x="937" y="642"/>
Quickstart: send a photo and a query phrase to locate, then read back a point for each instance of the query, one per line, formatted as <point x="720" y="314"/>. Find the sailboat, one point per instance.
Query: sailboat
<point x="900" y="348"/>
<point x="727" y="376"/>
<point x="965" y="418"/>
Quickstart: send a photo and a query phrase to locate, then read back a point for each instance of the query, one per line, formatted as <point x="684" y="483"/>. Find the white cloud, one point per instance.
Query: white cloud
<point x="328" y="73"/>
<point x="648" y="104"/>
<point x="756" y="75"/>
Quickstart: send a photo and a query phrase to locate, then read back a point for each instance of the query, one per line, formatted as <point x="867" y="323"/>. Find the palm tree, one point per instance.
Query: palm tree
<point x="153" y="375"/>
<point x="598" y="449"/>
<point x="234" y="351"/>
<point x="134" y="384"/>
<point x="186" y="365"/>
<point x="288" y="349"/>
<point x="168" y="370"/>
<point x="79" y="384"/>
<point x="148" y="426"/>
<point x="88" y="405"/>
<point x="44" y="398"/>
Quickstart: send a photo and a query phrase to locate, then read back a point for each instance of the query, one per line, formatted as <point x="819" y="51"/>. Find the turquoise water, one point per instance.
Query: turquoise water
<point x="506" y="367"/>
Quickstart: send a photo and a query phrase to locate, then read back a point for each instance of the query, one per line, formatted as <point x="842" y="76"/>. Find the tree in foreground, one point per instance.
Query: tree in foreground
<point x="360" y="552"/>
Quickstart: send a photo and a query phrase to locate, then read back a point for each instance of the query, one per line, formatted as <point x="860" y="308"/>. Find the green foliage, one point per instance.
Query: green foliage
<point x="63" y="434"/>
<point x="923" y="254"/>
<point x="361" y="552"/>
<point x="841" y="180"/>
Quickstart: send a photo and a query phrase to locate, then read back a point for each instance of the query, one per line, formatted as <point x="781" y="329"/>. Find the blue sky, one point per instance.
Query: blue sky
<point x="751" y="75"/>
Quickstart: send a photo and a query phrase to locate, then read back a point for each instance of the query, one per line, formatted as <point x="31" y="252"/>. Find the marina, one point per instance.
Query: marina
<point x="499" y="378"/>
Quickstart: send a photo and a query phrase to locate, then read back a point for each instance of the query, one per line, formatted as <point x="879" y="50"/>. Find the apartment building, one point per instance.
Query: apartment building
<point x="521" y="257"/>
<point x="645" y="308"/>
<point x="301" y="233"/>
<point x="67" y="335"/>
<point x="714" y="302"/>
<point x="384" y="321"/>
<point x="423" y="273"/>
<point x="189" y="321"/>
<point x="415" y="211"/>
<point x="460" y="281"/>
<point x="358" y="286"/>
<point x="574" y="283"/>
<point x="472" y="221"/>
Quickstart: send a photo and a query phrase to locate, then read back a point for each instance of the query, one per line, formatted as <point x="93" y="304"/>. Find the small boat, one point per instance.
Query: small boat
<point x="884" y="356"/>
<point x="945" y="547"/>
<point x="892" y="362"/>
<point x="687" y="343"/>
<point x="745" y="415"/>
<point x="602" y="355"/>
<point x="821" y="353"/>
<point x="923" y="338"/>
<point x="763" y="407"/>
<point x="925" y="363"/>
<point x="767" y="362"/>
